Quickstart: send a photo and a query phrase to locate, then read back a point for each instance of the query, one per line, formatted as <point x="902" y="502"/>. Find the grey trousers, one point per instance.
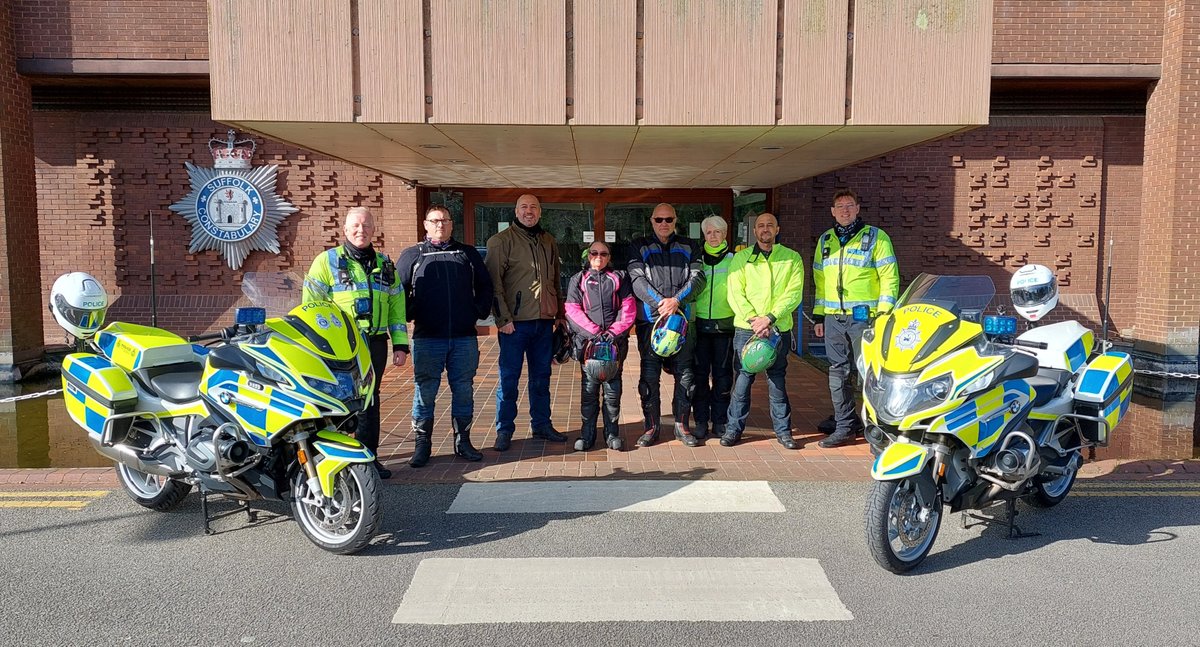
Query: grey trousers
<point x="843" y="341"/>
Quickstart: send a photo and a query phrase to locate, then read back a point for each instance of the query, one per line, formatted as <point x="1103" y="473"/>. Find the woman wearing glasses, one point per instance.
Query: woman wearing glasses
<point x="600" y="310"/>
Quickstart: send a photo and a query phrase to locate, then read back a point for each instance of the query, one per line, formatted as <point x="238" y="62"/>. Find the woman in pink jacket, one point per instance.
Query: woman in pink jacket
<point x="600" y="309"/>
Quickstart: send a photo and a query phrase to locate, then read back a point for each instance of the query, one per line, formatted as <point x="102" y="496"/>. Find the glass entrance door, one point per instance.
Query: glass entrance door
<point x="566" y="221"/>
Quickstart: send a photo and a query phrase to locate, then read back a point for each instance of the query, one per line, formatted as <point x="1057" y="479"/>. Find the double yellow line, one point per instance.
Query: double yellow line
<point x="61" y="499"/>
<point x="1137" y="488"/>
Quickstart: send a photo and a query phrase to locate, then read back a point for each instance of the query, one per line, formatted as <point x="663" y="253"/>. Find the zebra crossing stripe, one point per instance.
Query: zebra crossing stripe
<point x="446" y="591"/>
<point x="542" y="497"/>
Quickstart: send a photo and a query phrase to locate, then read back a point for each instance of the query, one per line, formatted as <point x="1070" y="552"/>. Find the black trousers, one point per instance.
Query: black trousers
<point x="714" y="361"/>
<point x="679" y="365"/>
<point x="368" y="423"/>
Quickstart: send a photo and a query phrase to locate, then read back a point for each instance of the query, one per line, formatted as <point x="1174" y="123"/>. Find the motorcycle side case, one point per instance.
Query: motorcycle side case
<point x="134" y="347"/>
<point x="1104" y="391"/>
<point x="95" y="389"/>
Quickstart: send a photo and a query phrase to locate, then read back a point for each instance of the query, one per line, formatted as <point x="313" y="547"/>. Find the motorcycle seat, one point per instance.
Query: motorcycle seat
<point x="1048" y="383"/>
<point x="177" y="383"/>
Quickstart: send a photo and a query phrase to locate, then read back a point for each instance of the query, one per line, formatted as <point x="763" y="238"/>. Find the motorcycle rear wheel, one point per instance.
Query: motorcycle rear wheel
<point x="158" y="493"/>
<point x="897" y="536"/>
<point x="352" y="516"/>
<point x="1049" y="492"/>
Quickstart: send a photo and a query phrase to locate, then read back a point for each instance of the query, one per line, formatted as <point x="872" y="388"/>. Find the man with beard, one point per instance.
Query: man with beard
<point x="363" y="282"/>
<point x="765" y="286"/>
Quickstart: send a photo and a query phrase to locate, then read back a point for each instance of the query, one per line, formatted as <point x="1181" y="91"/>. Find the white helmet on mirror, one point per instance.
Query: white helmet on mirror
<point x="1034" y="291"/>
<point x="78" y="303"/>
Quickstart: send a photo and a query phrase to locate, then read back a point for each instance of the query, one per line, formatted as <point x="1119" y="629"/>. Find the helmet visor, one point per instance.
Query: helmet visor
<point x="1033" y="295"/>
<point x="83" y="318"/>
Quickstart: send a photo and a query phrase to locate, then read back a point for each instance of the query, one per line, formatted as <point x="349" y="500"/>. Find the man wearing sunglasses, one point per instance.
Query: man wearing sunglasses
<point x="667" y="273"/>
<point x="854" y="267"/>
<point x="448" y="289"/>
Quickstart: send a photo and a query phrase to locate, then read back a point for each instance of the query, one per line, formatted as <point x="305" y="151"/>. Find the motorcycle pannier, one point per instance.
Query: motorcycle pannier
<point x="1103" y="391"/>
<point x="94" y="389"/>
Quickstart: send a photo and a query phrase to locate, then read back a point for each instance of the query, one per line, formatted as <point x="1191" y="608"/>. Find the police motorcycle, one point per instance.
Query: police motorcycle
<point x="258" y="412"/>
<point x="962" y="412"/>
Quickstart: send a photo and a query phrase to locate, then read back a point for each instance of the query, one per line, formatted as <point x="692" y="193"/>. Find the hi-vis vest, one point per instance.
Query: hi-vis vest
<point x="336" y="277"/>
<point x="863" y="272"/>
<point x="713" y="302"/>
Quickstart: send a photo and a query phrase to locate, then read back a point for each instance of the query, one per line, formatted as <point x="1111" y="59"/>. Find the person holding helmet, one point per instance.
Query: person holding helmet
<point x="78" y="303"/>
<point x="600" y="310"/>
<point x="364" y="282"/>
<point x="765" y="286"/>
<point x="1034" y="291"/>
<point x="854" y="267"/>
<point x="666" y="271"/>
<point x="714" y="333"/>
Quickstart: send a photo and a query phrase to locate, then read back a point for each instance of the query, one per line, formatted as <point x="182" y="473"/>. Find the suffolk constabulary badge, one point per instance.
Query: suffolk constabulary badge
<point x="233" y="207"/>
<point x="908" y="338"/>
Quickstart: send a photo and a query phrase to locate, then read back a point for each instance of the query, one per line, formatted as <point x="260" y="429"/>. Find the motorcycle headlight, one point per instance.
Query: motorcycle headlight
<point x="897" y="396"/>
<point x="343" y="389"/>
<point x="271" y="373"/>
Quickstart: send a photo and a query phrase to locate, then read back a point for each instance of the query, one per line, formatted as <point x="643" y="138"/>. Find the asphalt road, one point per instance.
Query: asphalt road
<point x="1106" y="570"/>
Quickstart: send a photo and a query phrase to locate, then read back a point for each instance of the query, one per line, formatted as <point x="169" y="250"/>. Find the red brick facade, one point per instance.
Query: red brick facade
<point x="101" y="175"/>
<point x="1090" y="31"/>
<point x="129" y="29"/>
<point x="20" y="288"/>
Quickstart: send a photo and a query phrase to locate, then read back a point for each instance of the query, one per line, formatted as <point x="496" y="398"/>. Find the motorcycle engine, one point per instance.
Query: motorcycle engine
<point x="202" y="452"/>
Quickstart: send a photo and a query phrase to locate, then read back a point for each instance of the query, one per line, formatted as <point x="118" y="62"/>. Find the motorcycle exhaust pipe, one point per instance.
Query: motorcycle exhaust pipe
<point x="128" y="456"/>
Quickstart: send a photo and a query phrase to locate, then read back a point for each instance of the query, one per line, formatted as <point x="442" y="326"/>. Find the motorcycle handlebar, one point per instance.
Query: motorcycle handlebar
<point x="1040" y="345"/>
<point x="224" y="333"/>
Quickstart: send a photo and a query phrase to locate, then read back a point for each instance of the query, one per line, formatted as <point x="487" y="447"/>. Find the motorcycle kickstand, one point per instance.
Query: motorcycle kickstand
<point x="204" y="509"/>
<point x="1014" y="531"/>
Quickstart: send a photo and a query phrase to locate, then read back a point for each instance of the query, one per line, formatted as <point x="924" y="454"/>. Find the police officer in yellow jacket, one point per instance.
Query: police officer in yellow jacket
<point x="365" y="284"/>
<point x="854" y="267"/>
<point x="765" y="286"/>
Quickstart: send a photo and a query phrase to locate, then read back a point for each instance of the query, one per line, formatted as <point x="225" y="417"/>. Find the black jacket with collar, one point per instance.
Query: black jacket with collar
<point x="447" y="290"/>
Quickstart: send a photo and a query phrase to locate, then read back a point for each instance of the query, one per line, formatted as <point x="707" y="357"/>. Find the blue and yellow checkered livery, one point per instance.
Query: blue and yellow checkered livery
<point x="94" y="389"/>
<point x="1104" y="390"/>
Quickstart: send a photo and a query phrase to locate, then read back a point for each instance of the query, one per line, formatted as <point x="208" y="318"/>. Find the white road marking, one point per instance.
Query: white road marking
<point x="447" y="591"/>
<point x="612" y="496"/>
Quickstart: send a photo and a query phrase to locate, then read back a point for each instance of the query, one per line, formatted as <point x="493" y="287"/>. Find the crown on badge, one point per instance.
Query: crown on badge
<point x="231" y="152"/>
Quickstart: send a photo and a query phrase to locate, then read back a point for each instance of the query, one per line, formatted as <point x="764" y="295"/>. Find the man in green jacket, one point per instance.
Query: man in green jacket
<point x="854" y="266"/>
<point x="524" y="263"/>
<point x="365" y="284"/>
<point x="765" y="286"/>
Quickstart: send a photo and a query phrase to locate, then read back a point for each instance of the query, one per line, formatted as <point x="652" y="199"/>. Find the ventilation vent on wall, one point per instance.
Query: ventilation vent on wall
<point x="110" y="98"/>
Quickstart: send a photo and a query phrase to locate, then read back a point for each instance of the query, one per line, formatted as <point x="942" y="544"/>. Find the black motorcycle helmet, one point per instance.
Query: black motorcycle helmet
<point x="560" y="345"/>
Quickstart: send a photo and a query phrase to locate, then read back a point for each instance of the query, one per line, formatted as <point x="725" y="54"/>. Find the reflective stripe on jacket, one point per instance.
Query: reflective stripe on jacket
<point x="865" y="267"/>
<point x="335" y="276"/>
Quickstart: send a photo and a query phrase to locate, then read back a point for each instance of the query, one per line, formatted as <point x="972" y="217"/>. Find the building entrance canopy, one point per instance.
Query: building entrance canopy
<point x="601" y="93"/>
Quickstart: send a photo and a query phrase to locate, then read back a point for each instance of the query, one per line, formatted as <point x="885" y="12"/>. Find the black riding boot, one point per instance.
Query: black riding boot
<point x="423" y="429"/>
<point x="462" y="440"/>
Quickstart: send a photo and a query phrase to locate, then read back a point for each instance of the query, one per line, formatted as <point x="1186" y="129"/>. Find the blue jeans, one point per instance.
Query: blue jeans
<point x="532" y="341"/>
<point x="459" y="358"/>
<point x="739" y="401"/>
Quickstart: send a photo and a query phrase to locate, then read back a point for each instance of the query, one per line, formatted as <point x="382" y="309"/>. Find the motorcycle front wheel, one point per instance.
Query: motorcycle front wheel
<point x="900" y="531"/>
<point x="158" y="493"/>
<point x="345" y="522"/>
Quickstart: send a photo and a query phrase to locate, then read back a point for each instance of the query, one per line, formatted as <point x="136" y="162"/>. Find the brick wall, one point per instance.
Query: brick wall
<point x="133" y="29"/>
<point x="99" y="176"/>
<point x="19" y="261"/>
<point x="1023" y="190"/>
<point x="1080" y="31"/>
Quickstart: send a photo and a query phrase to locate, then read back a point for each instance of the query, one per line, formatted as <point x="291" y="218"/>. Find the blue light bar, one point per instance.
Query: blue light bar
<point x="250" y="316"/>
<point x="994" y="325"/>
